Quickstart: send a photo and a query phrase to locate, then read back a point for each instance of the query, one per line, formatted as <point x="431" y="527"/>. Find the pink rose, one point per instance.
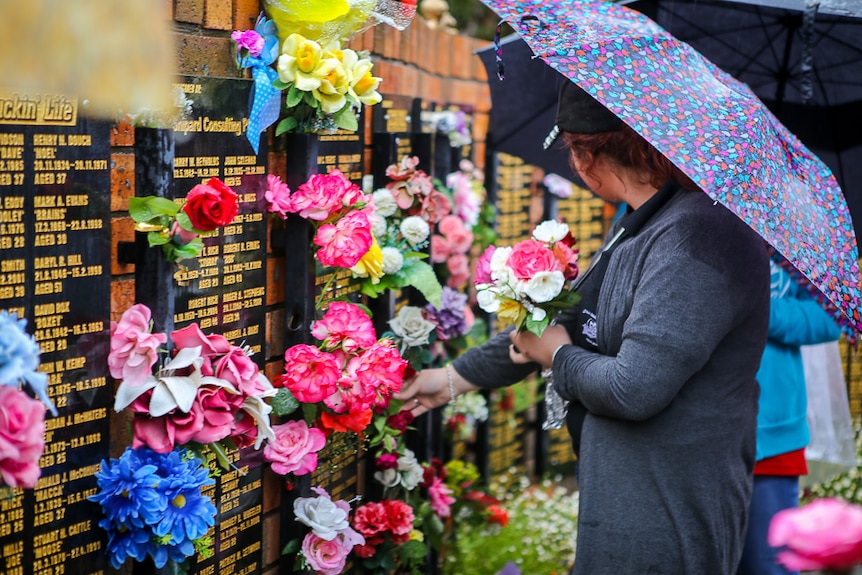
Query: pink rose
<point x="134" y="350"/>
<point x="211" y="345"/>
<point x="238" y="369"/>
<point x="345" y="325"/>
<point x="441" y="499"/>
<point x="311" y="375"/>
<point x="459" y="270"/>
<point x="483" y="266"/>
<point x="320" y="196"/>
<point x="325" y="557"/>
<point x="22" y="437"/>
<point x="435" y="207"/>
<point x="295" y="448"/>
<point x="825" y="534"/>
<point x="342" y="245"/>
<point x="248" y="40"/>
<point x="530" y="257"/>
<point x="218" y="408"/>
<point x="278" y="195"/>
<point x="245" y="430"/>
<point x="460" y="240"/>
<point x="399" y="516"/>
<point x="160" y="433"/>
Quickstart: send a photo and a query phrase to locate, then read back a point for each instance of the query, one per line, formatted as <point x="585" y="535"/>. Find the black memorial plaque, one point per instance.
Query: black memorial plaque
<point x="392" y="126"/>
<point x="505" y="443"/>
<point x="55" y="237"/>
<point x="512" y="196"/>
<point x="224" y="290"/>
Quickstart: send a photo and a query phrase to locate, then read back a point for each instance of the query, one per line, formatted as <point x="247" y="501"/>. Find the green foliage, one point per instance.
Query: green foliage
<point x="283" y="403"/>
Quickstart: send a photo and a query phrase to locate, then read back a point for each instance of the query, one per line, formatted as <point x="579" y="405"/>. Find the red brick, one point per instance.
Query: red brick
<point x="122" y="297"/>
<point x="273" y="369"/>
<point x="410" y="81"/>
<point x="275" y="325"/>
<point x="169" y="9"/>
<point x="431" y="87"/>
<point x="480" y="126"/>
<point x="479" y="153"/>
<point x="204" y="56"/>
<point x="483" y="97"/>
<point x="218" y="15"/>
<point x="122" y="230"/>
<point x="461" y="57"/>
<point x="191" y="11"/>
<point x="443" y="43"/>
<point x="245" y="13"/>
<point x="122" y="181"/>
<point x="273" y="486"/>
<point x="274" y="281"/>
<point x="271" y="544"/>
<point x="122" y="134"/>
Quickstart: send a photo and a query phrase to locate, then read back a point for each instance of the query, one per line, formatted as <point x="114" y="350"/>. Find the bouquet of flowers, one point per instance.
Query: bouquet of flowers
<point x="22" y="418"/>
<point x="208" y="392"/>
<point x="525" y="284"/>
<point x="153" y="505"/>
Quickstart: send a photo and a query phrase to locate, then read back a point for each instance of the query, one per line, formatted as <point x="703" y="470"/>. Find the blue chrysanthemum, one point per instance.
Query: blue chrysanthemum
<point x="127" y="492"/>
<point x="189" y="514"/>
<point x="175" y="551"/>
<point x="19" y="358"/>
<point x="124" y="543"/>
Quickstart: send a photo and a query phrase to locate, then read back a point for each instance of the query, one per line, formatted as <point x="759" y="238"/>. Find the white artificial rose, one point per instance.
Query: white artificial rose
<point x="544" y="286"/>
<point x="488" y="300"/>
<point x="392" y="260"/>
<point x="498" y="260"/>
<point x="384" y="201"/>
<point x="550" y="231"/>
<point x="322" y="515"/>
<point x="415" y="230"/>
<point x="411" y="326"/>
<point x="388" y="477"/>
<point x="411" y="472"/>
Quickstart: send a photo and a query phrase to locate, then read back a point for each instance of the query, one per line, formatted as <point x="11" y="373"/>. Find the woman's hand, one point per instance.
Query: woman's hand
<point x="526" y="347"/>
<point x="430" y="389"/>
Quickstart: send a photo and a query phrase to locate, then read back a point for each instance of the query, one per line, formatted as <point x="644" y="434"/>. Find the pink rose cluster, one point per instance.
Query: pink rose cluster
<point x="378" y="521"/>
<point x="22" y="437"/>
<point x="210" y="391"/>
<point x="351" y="371"/>
<point x="331" y="539"/>
<point x="414" y="191"/>
<point x="824" y="534"/>
<point x="339" y="209"/>
<point x="450" y="246"/>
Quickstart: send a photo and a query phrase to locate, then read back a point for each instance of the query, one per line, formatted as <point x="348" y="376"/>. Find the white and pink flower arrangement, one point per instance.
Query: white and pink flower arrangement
<point x="526" y="284"/>
<point x="207" y="393"/>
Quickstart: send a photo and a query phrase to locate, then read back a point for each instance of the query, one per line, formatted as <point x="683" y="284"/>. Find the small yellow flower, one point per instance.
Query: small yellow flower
<point x="363" y="86"/>
<point x="417" y="535"/>
<point x="304" y="63"/>
<point x="511" y="312"/>
<point x="333" y="87"/>
<point x="371" y="264"/>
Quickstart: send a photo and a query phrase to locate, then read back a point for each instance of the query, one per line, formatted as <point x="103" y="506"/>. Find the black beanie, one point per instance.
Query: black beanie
<point x="580" y="113"/>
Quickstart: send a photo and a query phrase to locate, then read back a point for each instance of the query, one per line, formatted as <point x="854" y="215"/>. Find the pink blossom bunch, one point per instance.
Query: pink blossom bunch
<point x="525" y="284"/>
<point x="22" y="437"/>
<point x="824" y="534"/>
<point x="450" y="246"/>
<point x="351" y="371"/>
<point x="378" y="521"/>
<point x="209" y="391"/>
<point x="468" y="193"/>
<point x="331" y="539"/>
<point x="414" y="191"/>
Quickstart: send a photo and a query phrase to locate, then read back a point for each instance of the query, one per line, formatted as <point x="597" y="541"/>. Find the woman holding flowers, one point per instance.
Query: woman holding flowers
<point x="658" y="360"/>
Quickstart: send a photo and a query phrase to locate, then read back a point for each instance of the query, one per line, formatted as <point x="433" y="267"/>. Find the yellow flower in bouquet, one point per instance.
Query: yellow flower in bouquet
<point x="304" y="63"/>
<point x="363" y="85"/>
<point x="371" y="264"/>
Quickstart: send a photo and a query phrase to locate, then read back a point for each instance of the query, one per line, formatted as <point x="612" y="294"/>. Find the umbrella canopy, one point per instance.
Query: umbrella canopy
<point x="710" y="125"/>
<point x="805" y="65"/>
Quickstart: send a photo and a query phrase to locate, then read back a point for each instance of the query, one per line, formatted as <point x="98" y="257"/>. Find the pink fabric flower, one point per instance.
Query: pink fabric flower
<point x="22" y="437"/>
<point x="325" y="557"/>
<point x="211" y="345"/>
<point x="345" y="325"/>
<point x="320" y="197"/>
<point x="278" y="195"/>
<point x="440" y="249"/>
<point x="248" y="40"/>
<point x="825" y="534"/>
<point x="312" y="375"/>
<point x="238" y="369"/>
<point x="342" y="245"/>
<point x="399" y="516"/>
<point x="435" y="207"/>
<point x="386" y="461"/>
<point x="134" y="350"/>
<point x="295" y="448"/>
<point x="404" y="169"/>
<point x="530" y="257"/>
<point x="218" y="408"/>
<point x="441" y="498"/>
<point x="483" y="266"/>
<point x="160" y="433"/>
<point x="380" y="369"/>
<point x="459" y="271"/>
<point x="568" y="258"/>
<point x="370" y="519"/>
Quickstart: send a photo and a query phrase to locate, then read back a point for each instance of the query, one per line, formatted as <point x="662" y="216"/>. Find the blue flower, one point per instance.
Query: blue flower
<point x="177" y="552"/>
<point x="124" y="543"/>
<point x="19" y="358"/>
<point x="189" y="514"/>
<point x="127" y="492"/>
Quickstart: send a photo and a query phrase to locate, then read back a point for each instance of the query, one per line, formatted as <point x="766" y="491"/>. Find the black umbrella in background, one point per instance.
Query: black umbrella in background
<point x="805" y="64"/>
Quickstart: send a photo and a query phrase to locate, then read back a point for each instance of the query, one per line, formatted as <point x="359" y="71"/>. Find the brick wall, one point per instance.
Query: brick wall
<point x="418" y="61"/>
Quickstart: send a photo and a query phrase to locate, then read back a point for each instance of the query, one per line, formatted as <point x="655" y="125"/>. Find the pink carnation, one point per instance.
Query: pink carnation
<point x="459" y="271"/>
<point x="399" y="516"/>
<point x="278" y="195"/>
<point x="483" y="266"/>
<point x="825" y="534"/>
<point x="441" y="497"/>
<point x="342" y="245"/>
<point x="320" y="197"/>
<point x="22" y="437"/>
<point x="435" y="207"/>
<point x="345" y="325"/>
<point x="312" y="375"/>
<point x="295" y="448"/>
<point x="381" y="369"/>
<point x="249" y="40"/>
<point x="134" y="350"/>
<point x="370" y="519"/>
<point x="530" y="257"/>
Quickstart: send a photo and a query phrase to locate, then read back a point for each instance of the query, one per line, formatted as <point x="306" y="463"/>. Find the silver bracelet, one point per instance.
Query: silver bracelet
<point x="451" y="381"/>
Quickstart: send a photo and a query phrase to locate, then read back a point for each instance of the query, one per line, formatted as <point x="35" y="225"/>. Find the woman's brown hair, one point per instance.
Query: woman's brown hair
<point x="629" y="150"/>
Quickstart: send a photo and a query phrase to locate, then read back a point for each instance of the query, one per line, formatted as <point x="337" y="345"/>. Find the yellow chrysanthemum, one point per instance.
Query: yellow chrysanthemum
<point x="363" y="86"/>
<point x="304" y="63"/>
<point x="511" y="312"/>
<point x="371" y="264"/>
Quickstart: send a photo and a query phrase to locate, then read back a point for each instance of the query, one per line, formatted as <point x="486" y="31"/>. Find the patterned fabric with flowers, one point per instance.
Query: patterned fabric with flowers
<point x="22" y="418"/>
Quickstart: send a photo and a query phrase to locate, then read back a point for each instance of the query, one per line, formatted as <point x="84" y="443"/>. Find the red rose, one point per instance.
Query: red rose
<point x="211" y="205"/>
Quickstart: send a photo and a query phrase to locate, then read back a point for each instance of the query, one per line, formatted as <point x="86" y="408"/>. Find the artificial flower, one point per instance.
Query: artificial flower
<point x="346" y="326"/>
<point x="277" y="195"/>
<point x="370" y="265"/>
<point x="441" y="498"/>
<point x="302" y="61"/>
<point x="211" y="205"/>
<point x="248" y="40"/>
<point x="344" y="243"/>
<point x="325" y="517"/>
<point x="411" y="326"/>
<point x="22" y="437"/>
<point x="332" y="91"/>
<point x="362" y="84"/>
<point x="354" y="421"/>
<point x="294" y="449"/>
<point x="313" y="374"/>
<point x="415" y="230"/>
<point x="134" y="350"/>
<point x="19" y="358"/>
<point x="391" y="260"/>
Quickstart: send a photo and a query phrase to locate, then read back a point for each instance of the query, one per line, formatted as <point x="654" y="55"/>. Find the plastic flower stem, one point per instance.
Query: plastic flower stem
<point x="322" y="299"/>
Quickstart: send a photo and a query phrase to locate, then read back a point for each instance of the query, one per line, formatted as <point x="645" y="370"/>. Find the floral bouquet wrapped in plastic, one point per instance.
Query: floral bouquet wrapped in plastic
<point x="526" y="284"/>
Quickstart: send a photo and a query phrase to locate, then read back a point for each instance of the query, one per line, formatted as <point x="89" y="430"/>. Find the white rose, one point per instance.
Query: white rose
<point x="544" y="286"/>
<point x="384" y="201"/>
<point x="488" y="300"/>
<point x="411" y="472"/>
<point x="415" y="230"/>
<point x="388" y="477"/>
<point x="322" y="515"/>
<point x="499" y="259"/>
<point x="392" y="260"/>
<point x="550" y="231"/>
<point x="411" y="326"/>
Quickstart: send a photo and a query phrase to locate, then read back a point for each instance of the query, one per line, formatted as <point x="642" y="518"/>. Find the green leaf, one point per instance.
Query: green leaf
<point x="294" y="96"/>
<point x="311" y="101"/>
<point x="279" y="85"/>
<point x="421" y="276"/>
<point x="412" y="550"/>
<point x="291" y="548"/>
<point x="309" y="412"/>
<point x="286" y="125"/>
<point x="188" y="251"/>
<point x="158" y="238"/>
<point x="284" y="403"/>
<point x="184" y="221"/>
<point x="346" y="119"/>
<point x="536" y="327"/>
<point x="146" y="208"/>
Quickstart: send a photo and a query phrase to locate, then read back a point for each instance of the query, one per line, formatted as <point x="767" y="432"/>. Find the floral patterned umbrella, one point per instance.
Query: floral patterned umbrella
<point x="710" y="125"/>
